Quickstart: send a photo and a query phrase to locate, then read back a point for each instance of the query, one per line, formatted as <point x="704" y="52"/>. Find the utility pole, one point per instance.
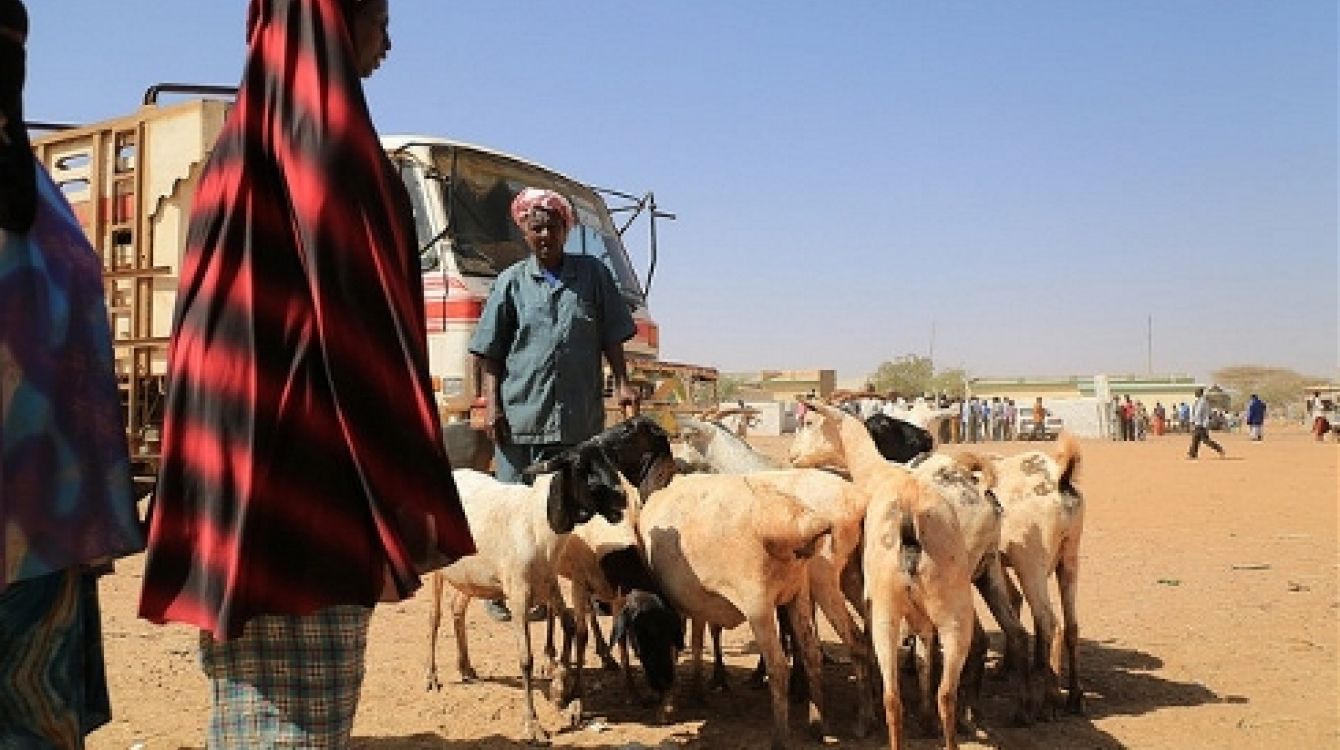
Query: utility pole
<point x="1149" y="346"/>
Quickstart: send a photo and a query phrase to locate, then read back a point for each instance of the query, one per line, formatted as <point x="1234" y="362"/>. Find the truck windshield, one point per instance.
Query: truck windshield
<point x="478" y="197"/>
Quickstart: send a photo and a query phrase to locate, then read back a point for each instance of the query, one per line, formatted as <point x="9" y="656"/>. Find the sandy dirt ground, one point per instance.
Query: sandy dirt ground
<point x="1208" y="615"/>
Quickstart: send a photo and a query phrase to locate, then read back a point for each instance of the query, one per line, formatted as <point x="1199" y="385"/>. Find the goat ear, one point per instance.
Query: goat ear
<point x="560" y="518"/>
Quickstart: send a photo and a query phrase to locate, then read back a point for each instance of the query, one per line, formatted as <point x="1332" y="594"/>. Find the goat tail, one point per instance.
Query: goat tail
<point x="1068" y="458"/>
<point x="909" y="548"/>
<point x="978" y="465"/>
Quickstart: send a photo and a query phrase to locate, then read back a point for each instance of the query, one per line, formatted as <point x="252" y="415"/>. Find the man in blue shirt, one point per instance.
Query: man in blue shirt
<point x="1256" y="417"/>
<point x="547" y="325"/>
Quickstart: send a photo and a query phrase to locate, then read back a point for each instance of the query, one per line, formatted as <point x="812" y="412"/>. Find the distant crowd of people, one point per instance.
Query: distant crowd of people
<point x="971" y="420"/>
<point x="977" y="419"/>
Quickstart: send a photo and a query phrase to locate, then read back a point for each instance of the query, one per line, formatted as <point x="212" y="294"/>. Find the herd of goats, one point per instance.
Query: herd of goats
<point x="869" y="525"/>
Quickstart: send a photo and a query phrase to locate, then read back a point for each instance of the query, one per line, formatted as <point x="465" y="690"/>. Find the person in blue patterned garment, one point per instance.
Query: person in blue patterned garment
<point x="67" y="506"/>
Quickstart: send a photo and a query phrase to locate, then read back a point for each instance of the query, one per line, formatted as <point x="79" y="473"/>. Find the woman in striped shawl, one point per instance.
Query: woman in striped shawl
<point x="304" y="477"/>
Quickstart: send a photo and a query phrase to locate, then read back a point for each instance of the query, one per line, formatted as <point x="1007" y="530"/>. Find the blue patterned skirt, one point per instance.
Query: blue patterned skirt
<point x="53" y="688"/>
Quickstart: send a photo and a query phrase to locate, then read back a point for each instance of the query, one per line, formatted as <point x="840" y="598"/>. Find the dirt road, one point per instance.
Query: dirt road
<point x="1208" y="613"/>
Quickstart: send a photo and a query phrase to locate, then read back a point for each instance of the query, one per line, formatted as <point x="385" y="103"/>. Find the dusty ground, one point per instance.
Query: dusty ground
<point x="1208" y="613"/>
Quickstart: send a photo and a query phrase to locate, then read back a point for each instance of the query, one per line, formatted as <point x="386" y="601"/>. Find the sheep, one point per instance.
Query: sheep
<point x="727" y="549"/>
<point x="519" y="531"/>
<point x="1040" y="536"/>
<point x="834" y="562"/>
<point x="929" y="534"/>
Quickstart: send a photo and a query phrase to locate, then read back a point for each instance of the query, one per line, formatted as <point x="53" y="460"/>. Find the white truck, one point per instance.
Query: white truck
<point x="131" y="181"/>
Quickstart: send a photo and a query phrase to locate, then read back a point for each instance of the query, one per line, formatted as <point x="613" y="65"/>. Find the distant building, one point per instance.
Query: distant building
<point x="1082" y="400"/>
<point x="784" y="385"/>
<point x="1150" y="389"/>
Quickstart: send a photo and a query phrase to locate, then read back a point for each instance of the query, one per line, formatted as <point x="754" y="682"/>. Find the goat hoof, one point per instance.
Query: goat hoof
<point x="562" y="688"/>
<point x="572" y="714"/>
<point x="535" y="734"/>
<point x="665" y="715"/>
<point x="433" y="684"/>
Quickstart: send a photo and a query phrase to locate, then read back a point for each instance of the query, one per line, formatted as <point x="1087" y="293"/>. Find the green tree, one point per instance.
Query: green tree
<point x="952" y="381"/>
<point x="912" y="375"/>
<point x="1277" y="386"/>
<point x="728" y="387"/>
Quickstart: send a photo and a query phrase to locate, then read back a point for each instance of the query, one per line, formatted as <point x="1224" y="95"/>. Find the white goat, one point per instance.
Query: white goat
<point x="520" y="532"/>
<point x="928" y="535"/>
<point x="727" y="549"/>
<point x="1040" y="537"/>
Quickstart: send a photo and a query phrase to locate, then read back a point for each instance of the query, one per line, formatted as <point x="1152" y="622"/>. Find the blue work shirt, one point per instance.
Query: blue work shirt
<point x="551" y="336"/>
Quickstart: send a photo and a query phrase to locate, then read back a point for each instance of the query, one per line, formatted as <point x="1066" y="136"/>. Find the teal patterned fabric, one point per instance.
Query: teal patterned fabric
<point x="53" y="690"/>
<point x="65" y="489"/>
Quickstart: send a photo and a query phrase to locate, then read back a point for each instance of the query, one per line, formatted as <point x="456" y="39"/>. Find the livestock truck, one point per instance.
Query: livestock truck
<point x="131" y="180"/>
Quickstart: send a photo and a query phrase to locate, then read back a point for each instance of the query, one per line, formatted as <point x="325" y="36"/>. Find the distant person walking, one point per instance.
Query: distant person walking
<point x="1321" y="417"/>
<point x="1039" y="419"/>
<point x="1200" y="426"/>
<point x="1256" y="417"/>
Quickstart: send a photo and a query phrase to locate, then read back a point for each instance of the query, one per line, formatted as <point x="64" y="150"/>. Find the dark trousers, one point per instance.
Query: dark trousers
<point x="1201" y="435"/>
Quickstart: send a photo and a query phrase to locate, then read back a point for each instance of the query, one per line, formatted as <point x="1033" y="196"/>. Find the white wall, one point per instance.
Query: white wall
<point x="1083" y="416"/>
<point x="773" y="418"/>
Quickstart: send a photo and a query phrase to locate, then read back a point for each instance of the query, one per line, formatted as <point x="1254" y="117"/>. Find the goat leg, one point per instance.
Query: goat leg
<point x="805" y="645"/>
<point x="764" y="627"/>
<point x="1067" y="578"/>
<point x="604" y="648"/>
<point x="532" y="732"/>
<point x="994" y="589"/>
<point x="719" y="682"/>
<point x="955" y="634"/>
<point x="434" y="622"/>
<point x="457" y="602"/>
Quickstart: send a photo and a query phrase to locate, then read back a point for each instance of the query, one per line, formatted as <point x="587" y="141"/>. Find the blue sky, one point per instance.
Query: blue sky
<point x="1032" y="188"/>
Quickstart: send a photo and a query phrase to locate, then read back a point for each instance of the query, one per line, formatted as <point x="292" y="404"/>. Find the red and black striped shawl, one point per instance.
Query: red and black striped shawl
<point x="303" y="463"/>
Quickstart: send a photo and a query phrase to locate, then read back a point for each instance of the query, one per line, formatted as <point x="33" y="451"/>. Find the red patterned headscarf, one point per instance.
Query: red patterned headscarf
<point x="535" y="199"/>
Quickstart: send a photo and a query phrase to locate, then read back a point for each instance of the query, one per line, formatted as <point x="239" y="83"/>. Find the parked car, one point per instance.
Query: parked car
<point x="1050" y="429"/>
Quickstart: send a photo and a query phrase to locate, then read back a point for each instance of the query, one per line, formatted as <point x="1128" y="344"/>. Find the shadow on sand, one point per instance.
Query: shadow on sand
<point x="1116" y="681"/>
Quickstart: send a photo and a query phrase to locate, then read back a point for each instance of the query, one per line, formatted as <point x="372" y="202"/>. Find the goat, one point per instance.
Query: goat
<point x="1040" y="537"/>
<point x="835" y="561"/>
<point x="519" y="531"/>
<point x="727" y="549"/>
<point x="929" y="534"/>
<point x="604" y="562"/>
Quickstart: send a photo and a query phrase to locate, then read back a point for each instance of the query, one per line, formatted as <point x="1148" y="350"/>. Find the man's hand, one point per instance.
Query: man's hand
<point x="496" y="425"/>
<point x="629" y="397"/>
